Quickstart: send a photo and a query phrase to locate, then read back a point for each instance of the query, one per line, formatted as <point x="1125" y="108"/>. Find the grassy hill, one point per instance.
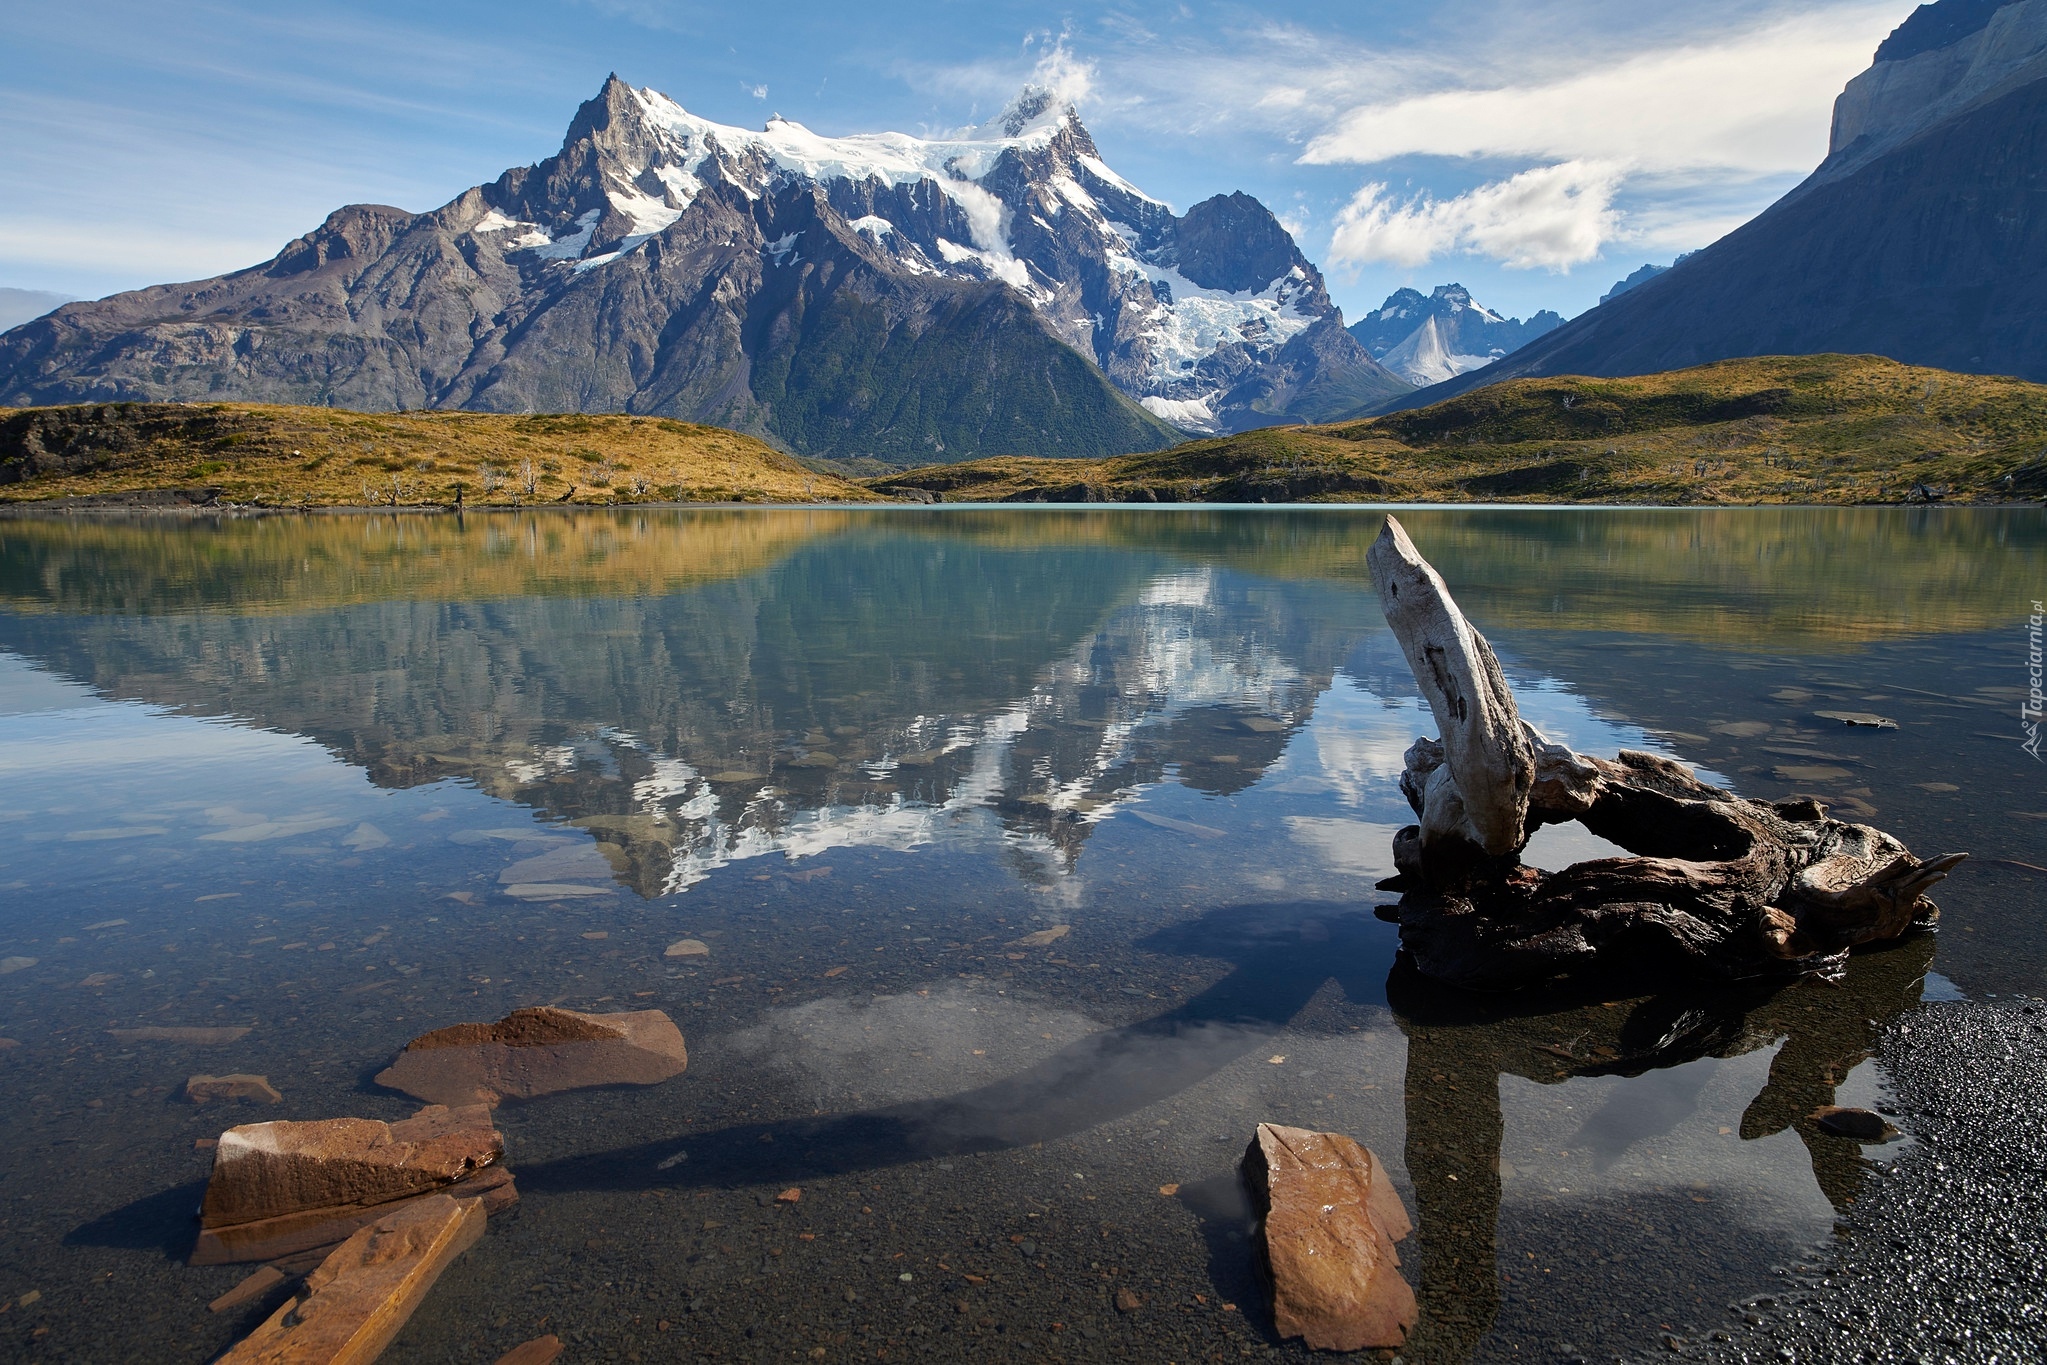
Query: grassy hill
<point x="1778" y="429"/>
<point x="254" y="453"/>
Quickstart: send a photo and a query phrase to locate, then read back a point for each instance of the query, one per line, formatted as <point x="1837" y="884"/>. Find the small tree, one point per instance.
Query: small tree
<point x="529" y="477"/>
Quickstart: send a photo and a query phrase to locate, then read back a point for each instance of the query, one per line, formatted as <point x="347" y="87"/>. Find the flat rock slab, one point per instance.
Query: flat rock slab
<point x="1328" y="1219"/>
<point x="359" y="1298"/>
<point x="285" y="1187"/>
<point x="238" y="1086"/>
<point x="166" y="1033"/>
<point x="534" y="1052"/>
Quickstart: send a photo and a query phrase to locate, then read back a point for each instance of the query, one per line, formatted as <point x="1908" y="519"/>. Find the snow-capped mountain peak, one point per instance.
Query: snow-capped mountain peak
<point x="1427" y="340"/>
<point x="1181" y="311"/>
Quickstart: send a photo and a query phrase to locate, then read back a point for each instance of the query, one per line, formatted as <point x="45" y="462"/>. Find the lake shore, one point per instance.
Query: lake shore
<point x="1936" y="1260"/>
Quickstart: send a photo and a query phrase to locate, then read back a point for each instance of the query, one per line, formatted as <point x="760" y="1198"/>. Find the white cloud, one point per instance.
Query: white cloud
<point x="1758" y="103"/>
<point x="759" y="92"/>
<point x="1070" y="79"/>
<point x="1552" y="217"/>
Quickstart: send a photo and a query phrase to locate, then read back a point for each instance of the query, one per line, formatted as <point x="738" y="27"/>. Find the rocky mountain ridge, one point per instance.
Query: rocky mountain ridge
<point x="875" y="295"/>
<point x="1426" y="340"/>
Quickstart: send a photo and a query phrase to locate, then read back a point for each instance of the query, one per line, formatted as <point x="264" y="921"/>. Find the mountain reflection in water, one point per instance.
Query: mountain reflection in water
<point x="862" y="756"/>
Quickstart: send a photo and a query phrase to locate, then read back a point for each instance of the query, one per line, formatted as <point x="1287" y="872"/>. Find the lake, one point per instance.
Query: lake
<point x="1034" y="851"/>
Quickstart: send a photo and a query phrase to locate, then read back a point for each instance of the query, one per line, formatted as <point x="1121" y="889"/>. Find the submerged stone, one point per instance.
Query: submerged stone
<point x="688" y="947"/>
<point x="168" y="1033"/>
<point x="258" y="1284"/>
<point x="539" y="1051"/>
<point x="239" y="1086"/>
<point x="539" y="1351"/>
<point x="359" y="1298"/>
<point x="1863" y="1125"/>
<point x="1328" y="1219"/>
<point x="286" y="1187"/>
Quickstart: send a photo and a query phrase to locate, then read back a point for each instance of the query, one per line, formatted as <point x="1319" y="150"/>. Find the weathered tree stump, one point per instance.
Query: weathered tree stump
<point x="1724" y="886"/>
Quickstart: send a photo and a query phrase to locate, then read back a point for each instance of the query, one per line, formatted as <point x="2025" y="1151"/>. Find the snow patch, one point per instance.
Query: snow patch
<point x="566" y="247"/>
<point x="495" y="222"/>
<point x="873" y="225"/>
<point x="1188" y="414"/>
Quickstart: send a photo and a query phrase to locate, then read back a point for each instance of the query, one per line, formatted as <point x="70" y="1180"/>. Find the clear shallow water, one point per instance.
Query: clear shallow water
<point x="349" y="779"/>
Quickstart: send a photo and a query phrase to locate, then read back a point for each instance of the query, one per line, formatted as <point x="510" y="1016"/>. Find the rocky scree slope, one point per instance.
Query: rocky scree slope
<point x="1918" y="238"/>
<point x="870" y="296"/>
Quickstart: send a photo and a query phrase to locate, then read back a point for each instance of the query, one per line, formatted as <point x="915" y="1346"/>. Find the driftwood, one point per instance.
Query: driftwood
<point x="1723" y="886"/>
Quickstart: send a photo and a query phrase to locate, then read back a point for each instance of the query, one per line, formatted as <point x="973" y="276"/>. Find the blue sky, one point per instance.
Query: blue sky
<point x="1536" y="150"/>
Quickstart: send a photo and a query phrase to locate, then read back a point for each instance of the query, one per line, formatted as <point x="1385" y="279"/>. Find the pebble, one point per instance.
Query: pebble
<point x="16" y="964"/>
<point x="687" y="947"/>
<point x="794" y="1195"/>
<point x="1044" y="937"/>
<point x="1127" y="1300"/>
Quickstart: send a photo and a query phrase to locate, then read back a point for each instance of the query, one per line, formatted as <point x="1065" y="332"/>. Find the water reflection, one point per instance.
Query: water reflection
<point x="345" y="780"/>
<point x="1460" y="1048"/>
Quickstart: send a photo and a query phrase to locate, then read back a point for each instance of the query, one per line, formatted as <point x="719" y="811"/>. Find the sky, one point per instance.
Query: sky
<point x="1534" y="150"/>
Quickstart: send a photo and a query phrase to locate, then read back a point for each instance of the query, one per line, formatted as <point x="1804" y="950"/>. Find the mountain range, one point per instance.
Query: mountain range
<point x="1426" y="340"/>
<point x="1919" y="238"/>
<point x="879" y="295"/>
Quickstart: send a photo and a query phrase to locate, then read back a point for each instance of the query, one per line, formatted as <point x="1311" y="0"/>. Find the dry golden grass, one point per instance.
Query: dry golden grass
<point x="324" y="457"/>
<point x="1779" y="429"/>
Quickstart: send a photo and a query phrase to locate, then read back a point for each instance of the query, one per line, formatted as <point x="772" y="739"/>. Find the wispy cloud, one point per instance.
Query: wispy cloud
<point x="1553" y="217"/>
<point x="1754" y="103"/>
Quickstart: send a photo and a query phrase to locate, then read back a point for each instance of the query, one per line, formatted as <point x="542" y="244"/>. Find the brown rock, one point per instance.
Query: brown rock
<point x="1328" y="1220"/>
<point x="1127" y="1300"/>
<point x="249" y="1290"/>
<point x="239" y="1086"/>
<point x="539" y="1351"/>
<point x="1044" y="938"/>
<point x="164" y="1033"/>
<point x="1863" y="1125"/>
<point x="285" y="1187"/>
<point x="363" y="1293"/>
<point x="534" y="1052"/>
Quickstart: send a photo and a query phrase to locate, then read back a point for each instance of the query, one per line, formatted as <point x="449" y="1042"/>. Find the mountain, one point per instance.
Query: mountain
<point x="1428" y="340"/>
<point x="1919" y="237"/>
<point x="877" y="295"/>
<point x="1621" y="286"/>
<point x="22" y="305"/>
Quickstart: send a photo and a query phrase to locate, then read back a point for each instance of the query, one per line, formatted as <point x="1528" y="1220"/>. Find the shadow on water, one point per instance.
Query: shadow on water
<point x="164" y="1221"/>
<point x="1282" y="955"/>
<point x="1459" y="1047"/>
